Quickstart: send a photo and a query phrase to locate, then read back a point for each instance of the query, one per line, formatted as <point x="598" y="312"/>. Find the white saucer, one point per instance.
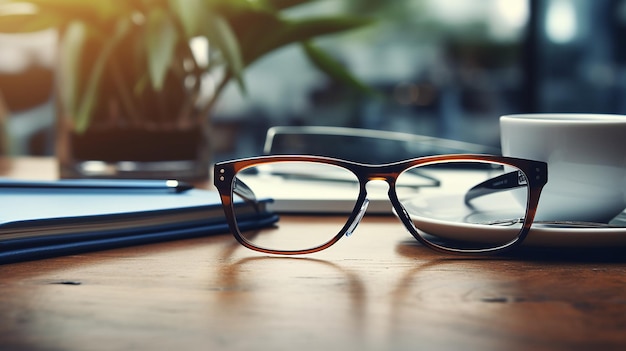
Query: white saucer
<point x="445" y="218"/>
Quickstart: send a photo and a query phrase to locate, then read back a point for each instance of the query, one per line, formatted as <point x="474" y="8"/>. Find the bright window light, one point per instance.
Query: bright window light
<point x="507" y="18"/>
<point x="561" y="24"/>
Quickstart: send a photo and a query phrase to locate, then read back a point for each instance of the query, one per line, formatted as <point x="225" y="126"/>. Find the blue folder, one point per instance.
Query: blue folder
<point x="39" y="223"/>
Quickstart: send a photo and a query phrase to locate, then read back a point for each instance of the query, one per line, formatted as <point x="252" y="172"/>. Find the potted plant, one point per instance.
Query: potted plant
<point x="132" y="93"/>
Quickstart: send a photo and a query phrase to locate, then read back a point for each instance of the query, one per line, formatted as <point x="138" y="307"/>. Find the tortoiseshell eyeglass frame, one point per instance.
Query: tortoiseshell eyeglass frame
<point x="535" y="172"/>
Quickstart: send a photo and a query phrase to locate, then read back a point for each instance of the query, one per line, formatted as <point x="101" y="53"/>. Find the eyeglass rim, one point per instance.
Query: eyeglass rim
<point x="536" y="173"/>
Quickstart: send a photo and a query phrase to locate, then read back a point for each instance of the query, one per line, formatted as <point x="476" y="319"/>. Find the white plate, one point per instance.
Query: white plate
<point x="435" y="214"/>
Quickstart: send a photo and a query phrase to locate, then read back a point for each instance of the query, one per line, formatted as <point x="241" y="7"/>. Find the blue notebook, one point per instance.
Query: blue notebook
<point x="38" y="223"/>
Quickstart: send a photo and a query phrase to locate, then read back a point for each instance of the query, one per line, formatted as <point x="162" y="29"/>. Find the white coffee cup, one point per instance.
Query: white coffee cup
<point x="586" y="156"/>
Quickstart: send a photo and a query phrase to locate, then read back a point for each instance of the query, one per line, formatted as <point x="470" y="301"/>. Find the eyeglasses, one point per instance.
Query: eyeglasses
<point x="459" y="203"/>
<point x="382" y="146"/>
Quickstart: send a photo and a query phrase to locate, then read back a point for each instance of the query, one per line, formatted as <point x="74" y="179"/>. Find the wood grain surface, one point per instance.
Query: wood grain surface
<point x="376" y="290"/>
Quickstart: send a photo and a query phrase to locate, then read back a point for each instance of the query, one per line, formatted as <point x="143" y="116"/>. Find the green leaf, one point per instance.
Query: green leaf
<point x="334" y="69"/>
<point x="274" y="33"/>
<point x="232" y="8"/>
<point x="88" y="100"/>
<point x="221" y="35"/>
<point x="161" y="40"/>
<point x="71" y="46"/>
<point x="284" y="4"/>
<point x="188" y="14"/>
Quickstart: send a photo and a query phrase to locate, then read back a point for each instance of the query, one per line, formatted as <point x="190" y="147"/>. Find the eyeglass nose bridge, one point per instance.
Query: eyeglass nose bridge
<point x="390" y="179"/>
<point x="358" y="218"/>
<point x="364" y="181"/>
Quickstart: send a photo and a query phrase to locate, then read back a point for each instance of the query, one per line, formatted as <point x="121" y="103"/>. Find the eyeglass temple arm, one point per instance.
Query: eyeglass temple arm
<point x="500" y="183"/>
<point x="434" y="182"/>
<point x="242" y="190"/>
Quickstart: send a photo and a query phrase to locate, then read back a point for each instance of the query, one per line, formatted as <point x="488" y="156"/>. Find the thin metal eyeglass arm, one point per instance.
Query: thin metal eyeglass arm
<point x="500" y="183"/>
<point x="432" y="181"/>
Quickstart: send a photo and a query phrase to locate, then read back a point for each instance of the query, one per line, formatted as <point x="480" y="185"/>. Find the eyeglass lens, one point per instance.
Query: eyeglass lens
<point x="434" y="196"/>
<point x="476" y="206"/>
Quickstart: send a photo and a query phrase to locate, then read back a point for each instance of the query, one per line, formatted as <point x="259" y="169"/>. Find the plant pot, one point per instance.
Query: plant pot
<point x="137" y="152"/>
<point x="132" y="129"/>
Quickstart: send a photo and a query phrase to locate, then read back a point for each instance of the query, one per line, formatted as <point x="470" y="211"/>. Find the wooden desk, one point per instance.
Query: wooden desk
<point x="376" y="290"/>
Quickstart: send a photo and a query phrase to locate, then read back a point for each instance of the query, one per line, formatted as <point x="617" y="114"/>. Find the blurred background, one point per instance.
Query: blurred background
<point x="449" y="69"/>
